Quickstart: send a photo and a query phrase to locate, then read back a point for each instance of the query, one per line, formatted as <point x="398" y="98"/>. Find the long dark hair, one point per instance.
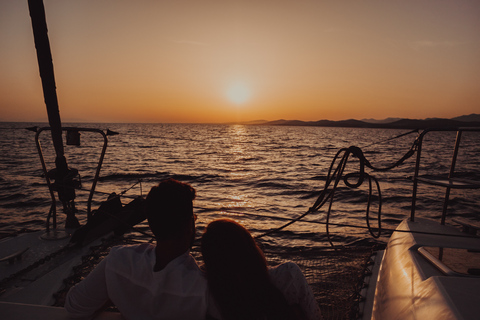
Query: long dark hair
<point x="238" y="276"/>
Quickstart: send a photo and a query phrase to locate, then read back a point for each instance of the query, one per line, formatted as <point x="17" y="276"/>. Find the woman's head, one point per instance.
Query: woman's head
<point x="229" y="249"/>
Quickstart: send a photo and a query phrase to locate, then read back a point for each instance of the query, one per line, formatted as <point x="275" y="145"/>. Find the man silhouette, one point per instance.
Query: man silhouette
<point x="147" y="281"/>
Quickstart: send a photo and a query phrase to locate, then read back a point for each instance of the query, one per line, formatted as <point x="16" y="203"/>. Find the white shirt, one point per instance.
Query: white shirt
<point x="126" y="277"/>
<point x="289" y="279"/>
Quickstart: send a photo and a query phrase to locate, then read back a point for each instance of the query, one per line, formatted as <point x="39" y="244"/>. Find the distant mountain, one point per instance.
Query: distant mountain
<point x="343" y="123"/>
<point x="255" y="122"/>
<point x="472" y="120"/>
<point x="283" y="122"/>
<point x="429" y="123"/>
<point x="474" y="117"/>
<point x="387" y="120"/>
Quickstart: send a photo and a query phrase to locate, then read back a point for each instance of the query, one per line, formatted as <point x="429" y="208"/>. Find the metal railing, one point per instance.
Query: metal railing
<point x="51" y="186"/>
<point x="450" y="182"/>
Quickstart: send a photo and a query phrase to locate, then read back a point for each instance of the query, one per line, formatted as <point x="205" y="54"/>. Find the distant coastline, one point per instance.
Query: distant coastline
<point x="472" y="120"/>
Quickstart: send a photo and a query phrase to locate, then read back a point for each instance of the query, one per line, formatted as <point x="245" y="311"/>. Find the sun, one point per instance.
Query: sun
<point x="238" y="93"/>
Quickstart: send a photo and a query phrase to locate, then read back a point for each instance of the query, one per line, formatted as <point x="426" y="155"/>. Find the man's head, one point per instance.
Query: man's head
<point x="169" y="208"/>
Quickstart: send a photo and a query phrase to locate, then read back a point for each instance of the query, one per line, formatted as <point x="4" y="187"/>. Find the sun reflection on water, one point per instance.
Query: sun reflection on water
<point x="237" y="134"/>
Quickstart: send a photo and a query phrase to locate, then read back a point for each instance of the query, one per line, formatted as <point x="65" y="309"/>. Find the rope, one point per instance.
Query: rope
<point x="370" y="178"/>
<point x="335" y="176"/>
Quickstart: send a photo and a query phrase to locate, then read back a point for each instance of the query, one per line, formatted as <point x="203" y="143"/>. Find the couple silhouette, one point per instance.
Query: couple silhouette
<point x="164" y="281"/>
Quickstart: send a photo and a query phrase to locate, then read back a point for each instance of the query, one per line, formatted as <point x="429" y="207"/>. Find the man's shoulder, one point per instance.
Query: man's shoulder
<point x="126" y="259"/>
<point x="132" y="250"/>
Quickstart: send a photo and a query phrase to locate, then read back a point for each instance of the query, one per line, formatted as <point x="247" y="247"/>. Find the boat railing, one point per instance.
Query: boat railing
<point x="450" y="182"/>
<point x="72" y="138"/>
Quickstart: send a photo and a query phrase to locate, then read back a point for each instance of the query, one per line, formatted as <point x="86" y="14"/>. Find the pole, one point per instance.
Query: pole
<point x="45" y="64"/>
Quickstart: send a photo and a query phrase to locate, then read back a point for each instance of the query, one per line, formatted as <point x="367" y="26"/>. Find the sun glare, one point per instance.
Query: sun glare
<point x="238" y="93"/>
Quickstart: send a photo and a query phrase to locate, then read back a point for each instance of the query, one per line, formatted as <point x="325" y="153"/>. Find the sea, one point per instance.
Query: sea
<point x="260" y="176"/>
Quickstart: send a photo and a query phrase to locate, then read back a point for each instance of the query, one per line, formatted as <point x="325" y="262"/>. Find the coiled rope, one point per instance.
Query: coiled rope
<point x="334" y="176"/>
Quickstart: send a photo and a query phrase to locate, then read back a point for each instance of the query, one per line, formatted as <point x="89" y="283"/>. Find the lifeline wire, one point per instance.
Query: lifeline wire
<point x="351" y="225"/>
<point x="392" y="138"/>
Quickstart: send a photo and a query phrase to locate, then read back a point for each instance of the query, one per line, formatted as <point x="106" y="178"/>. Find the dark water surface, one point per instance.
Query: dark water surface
<point x="253" y="174"/>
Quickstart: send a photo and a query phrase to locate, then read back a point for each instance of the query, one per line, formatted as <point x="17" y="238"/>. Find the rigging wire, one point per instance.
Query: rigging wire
<point x="121" y="194"/>
<point x="346" y="225"/>
<point x="392" y="138"/>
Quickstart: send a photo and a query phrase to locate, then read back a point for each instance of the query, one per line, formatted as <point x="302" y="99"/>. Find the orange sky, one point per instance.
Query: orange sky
<point x="222" y="61"/>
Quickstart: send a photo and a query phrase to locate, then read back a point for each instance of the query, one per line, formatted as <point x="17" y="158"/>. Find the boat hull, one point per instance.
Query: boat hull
<point x="415" y="285"/>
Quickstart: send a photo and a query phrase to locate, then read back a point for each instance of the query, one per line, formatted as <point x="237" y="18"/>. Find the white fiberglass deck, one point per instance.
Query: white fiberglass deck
<point x="414" y="283"/>
<point x="33" y="276"/>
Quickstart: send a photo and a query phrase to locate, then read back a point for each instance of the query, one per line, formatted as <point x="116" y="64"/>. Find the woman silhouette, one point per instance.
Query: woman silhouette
<point x="241" y="284"/>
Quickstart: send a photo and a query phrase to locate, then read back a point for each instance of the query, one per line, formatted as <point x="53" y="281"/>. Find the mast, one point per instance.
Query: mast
<point x="62" y="174"/>
<point x="45" y="64"/>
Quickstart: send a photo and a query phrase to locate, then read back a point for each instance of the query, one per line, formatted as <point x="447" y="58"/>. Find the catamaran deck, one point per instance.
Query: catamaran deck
<point x="429" y="271"/>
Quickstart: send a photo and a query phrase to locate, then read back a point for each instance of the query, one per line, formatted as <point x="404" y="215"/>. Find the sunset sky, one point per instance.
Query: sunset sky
<point x="222" y="61"/>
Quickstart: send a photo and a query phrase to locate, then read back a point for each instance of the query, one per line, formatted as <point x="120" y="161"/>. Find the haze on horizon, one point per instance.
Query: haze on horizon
<point x="226" y="61"/>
